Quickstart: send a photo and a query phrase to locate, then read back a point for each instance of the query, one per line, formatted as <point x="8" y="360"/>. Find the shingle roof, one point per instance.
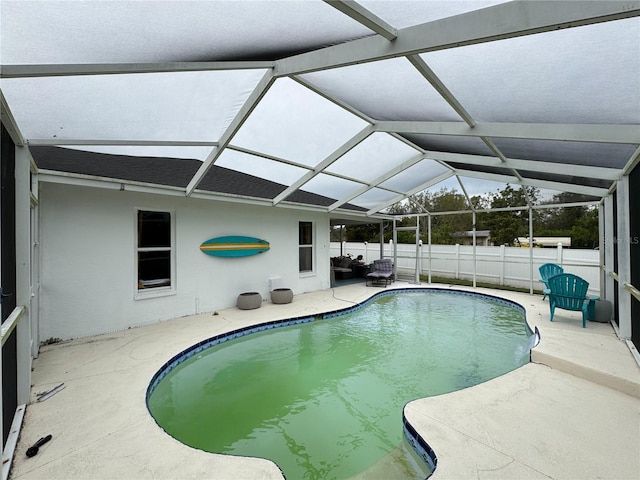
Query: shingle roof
<point x="175" y="172"/>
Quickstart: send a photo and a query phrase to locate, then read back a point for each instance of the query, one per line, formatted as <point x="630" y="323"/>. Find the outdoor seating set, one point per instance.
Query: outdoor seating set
<point x="567" y="291"/>
<point x="345" y="267"/>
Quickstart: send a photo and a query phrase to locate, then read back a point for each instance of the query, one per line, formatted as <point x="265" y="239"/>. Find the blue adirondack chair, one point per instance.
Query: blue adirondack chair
<point x="569" y="292"/>
<point x="546" y="271"/>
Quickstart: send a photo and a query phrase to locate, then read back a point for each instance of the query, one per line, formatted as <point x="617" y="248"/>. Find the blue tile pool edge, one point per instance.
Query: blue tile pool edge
<point x="217" y="340"/>
<point x="421" y="447"/>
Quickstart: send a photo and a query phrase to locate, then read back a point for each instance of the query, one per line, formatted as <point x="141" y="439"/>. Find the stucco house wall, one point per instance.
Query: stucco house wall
<point x="88" y="254"/>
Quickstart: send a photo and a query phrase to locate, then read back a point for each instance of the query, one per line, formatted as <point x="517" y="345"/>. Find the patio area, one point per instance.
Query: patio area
<point x="135" y="135"/>
<point x="572" y="413"/>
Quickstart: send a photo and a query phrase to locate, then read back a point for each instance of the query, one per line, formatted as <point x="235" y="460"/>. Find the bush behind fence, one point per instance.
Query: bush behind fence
<point x="503" y="266"/>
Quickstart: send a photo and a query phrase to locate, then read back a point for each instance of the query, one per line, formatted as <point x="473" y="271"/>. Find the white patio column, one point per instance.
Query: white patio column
<point x="429" y="241"/>
<point x="530" y="251"/>
<point x="23" y="272"/>
<point x="608" y="245"/>
<point x="624" y="257"/>
<point x="418" y="245"/>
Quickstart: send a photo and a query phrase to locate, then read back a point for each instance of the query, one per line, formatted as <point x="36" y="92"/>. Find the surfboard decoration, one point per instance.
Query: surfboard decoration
<point x="234" y="246"/>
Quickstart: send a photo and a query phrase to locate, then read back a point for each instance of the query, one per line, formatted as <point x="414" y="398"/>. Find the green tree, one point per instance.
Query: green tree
<point x="445" y="229"/>
<point x="506" y="226"/>
<point x="584" y="233"/>
<point x="369" y="232"/>
<point x="562" y="219"/>
<point x="580" y="222"/>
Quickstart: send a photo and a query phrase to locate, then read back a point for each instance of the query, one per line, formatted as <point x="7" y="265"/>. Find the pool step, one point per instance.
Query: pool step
<point x="623" y="376"/>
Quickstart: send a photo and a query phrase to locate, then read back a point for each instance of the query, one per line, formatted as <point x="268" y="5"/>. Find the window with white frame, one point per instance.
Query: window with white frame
<point x="305" y="246"/>
<point x="154" y="259"/>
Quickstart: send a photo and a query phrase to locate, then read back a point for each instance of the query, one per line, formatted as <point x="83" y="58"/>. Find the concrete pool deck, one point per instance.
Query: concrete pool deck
<point x="573" y="413"/>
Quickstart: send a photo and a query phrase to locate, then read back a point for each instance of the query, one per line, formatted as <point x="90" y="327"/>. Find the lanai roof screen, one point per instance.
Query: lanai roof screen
<point x="139" y="31"/>
<point x="153" y="107"/>
<point x="361" y="103"/>
<point x="295" y="124"/>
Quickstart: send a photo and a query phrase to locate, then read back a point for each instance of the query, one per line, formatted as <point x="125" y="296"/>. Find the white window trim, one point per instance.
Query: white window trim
<point x="312" y="272"/>
<point x="160" y="291"/>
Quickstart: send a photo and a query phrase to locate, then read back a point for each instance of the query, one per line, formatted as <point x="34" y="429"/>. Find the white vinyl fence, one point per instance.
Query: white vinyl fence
<point x="504" y="266"/>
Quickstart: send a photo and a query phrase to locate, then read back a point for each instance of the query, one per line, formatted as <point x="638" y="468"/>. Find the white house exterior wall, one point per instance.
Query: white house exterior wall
<point x="88" y="283"/>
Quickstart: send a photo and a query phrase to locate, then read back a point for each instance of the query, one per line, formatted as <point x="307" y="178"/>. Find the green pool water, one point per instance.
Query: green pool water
<point x="324" y="399"/>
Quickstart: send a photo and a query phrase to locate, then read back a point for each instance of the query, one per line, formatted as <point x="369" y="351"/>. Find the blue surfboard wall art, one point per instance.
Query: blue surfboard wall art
<point x="234" y="246"/>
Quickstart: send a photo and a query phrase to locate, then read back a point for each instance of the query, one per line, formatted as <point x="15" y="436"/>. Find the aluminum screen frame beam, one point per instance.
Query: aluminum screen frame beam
<point x="422" y="67"/>
<point x="38" y="142"/>
<point x="417" y="189"/>
<point x="513" y="19"/>
<point x="363" y="16"/>
<point x="403" y="166"/>
<point x="318" y="169"/>
<point x="593" y="133"/>
<point x="66" y="70"/>
<point x="559" y="186"/>
<point x="528" y="165"/>
<point x="252" y="101"/>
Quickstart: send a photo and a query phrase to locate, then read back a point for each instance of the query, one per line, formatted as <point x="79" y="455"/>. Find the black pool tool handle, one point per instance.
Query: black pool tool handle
<point x="33" y="450"/>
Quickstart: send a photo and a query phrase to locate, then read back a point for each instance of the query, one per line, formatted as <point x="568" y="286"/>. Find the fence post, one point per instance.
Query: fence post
<point x="559" y="256"/>
<point x="474" y="249"/>
<point x="429" y="239"/>
<point x="457" y="261"/>
<point x="502" y="256"/>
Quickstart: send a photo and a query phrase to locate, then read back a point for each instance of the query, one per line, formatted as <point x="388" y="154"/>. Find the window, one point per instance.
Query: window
<point x="305" y="246"/>
<point x="154" y="250"/>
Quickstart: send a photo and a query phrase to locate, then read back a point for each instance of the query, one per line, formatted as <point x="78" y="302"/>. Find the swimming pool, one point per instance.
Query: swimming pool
<point x="324" y="399"/>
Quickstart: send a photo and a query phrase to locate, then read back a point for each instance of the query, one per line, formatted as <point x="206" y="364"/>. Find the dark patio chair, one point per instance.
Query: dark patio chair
<point x="382" y="270"/>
